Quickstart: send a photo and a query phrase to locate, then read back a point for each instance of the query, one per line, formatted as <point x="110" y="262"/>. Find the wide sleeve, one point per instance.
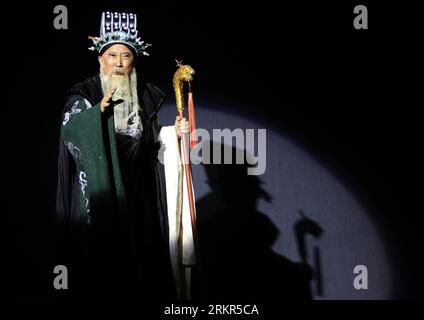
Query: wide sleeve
<point x="181" y="242"/>
<point x="67" y="200"/>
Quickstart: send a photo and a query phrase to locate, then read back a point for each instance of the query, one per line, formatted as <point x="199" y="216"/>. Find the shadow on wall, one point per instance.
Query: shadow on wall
<point x="235" y="240"/>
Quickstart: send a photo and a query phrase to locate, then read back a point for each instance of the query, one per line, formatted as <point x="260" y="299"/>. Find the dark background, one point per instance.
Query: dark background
<point x="346" y="95"/>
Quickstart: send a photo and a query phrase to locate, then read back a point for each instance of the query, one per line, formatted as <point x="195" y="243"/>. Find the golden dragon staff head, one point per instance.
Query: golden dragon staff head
<point x="184" y="73"/>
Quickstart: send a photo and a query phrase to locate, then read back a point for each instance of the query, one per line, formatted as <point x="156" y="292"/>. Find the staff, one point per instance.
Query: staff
<point x="185" y="73"/>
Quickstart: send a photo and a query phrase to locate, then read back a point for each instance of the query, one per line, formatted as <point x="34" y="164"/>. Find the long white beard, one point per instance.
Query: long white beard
<point x="126" y="114"/>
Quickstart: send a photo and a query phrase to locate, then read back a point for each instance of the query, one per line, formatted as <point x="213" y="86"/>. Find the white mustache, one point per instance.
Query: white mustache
<point x="118" y="71"/>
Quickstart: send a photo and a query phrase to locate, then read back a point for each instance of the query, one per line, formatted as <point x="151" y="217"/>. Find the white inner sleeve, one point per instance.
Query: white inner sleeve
<point x="179" y="219"/>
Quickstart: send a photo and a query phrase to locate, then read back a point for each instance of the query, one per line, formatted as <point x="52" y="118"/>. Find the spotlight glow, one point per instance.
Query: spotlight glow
<point x="297" y="182"/>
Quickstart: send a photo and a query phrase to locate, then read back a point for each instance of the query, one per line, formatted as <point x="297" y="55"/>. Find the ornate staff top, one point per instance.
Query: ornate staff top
<point x="184" y="73"/>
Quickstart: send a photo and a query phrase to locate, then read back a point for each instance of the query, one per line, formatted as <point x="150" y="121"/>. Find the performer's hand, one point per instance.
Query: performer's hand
<point x="107" y="99"/>
<point x="181" y="126"/>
